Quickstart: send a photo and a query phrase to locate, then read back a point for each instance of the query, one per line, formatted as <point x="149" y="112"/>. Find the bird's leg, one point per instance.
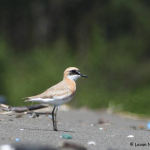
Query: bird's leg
<point x="53" y="117"/>
<point x="55" y="114"/>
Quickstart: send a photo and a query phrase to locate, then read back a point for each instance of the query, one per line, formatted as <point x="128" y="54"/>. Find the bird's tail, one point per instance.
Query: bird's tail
<point x="27" y="99"/>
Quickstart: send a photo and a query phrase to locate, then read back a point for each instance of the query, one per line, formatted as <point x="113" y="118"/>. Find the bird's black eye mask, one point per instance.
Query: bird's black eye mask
<point x="74" y="72"/>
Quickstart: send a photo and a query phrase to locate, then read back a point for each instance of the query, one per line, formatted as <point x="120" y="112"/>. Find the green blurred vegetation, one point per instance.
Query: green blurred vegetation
<point x="108" y="40"/>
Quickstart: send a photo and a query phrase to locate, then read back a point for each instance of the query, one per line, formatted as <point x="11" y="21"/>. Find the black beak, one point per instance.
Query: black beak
<point x="83" y="75"/>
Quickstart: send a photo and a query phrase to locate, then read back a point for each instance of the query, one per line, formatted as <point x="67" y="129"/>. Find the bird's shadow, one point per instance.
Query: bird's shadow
<point x="49" y="130"/>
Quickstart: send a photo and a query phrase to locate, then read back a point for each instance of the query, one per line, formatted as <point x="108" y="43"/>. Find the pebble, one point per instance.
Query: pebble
<point x="67" y="136"/>
<point x="21" y="129"/>
<point x="92" y="124"/>
<point x="101" y="121"/>
<point x="148" y="125"/>
<point x="130" y="136"/>
<point x="18" y="116"/>
<point x="91" y="143"/>
<point x="17" y="139"/>
<point x="133" y="127"/>
<point x="141" y="127"/>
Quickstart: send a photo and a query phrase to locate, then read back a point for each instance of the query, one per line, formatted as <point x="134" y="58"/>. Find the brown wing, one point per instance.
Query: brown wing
<point x="57" y="90"/>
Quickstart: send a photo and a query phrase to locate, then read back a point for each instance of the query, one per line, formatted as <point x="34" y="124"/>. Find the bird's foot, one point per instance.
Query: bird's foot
<point x="55" y="129"/>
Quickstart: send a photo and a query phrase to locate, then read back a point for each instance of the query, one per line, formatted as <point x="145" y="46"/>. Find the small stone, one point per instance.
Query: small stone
<point x="92" y="124"/>
<point x="148" y="125"/>
<point x="21" y="129"/>
<point x="18" y="116"/>
<point x="91" y="143"/>
<point x="67" y="136"/>
<point x="17" y="139"/>
<point x="141" y="127"/>
<point x="133" y="127"/>
<point x="130" y="136"/>
<point x="101" y="121"/>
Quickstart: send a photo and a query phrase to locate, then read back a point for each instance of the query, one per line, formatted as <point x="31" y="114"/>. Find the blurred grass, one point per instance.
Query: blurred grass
<point x="114" y="73"/>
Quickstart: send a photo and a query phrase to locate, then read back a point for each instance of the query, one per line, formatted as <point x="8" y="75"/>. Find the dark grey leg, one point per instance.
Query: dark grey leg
<point x="53" y="118"/>
<point x="55" y="114"/>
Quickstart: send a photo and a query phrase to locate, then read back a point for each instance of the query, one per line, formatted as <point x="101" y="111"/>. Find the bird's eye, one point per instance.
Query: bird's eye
<point x="73" y="71"/>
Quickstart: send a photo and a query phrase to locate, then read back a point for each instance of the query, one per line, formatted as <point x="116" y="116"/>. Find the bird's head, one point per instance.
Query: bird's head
<point x="73" y="73"/>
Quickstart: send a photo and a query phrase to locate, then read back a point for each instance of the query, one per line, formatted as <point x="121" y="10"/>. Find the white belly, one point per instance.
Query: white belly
<point x="55" y="101"/>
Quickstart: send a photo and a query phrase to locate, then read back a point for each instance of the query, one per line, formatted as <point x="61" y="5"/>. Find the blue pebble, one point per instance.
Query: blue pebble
<point x="17" y="140"/>
<point x="67" y="136"/>
<point x="148" y="125"/>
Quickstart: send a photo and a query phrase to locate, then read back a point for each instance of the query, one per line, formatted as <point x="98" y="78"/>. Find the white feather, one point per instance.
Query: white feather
<point x="55" y="101"/>
<point x="74" y="77"/>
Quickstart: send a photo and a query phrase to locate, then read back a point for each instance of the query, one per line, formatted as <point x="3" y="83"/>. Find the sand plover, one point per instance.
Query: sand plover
<point x="60" y="93"/>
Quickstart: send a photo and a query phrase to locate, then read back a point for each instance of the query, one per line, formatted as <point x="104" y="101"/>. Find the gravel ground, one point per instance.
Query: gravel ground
<point x="105" y="131"/>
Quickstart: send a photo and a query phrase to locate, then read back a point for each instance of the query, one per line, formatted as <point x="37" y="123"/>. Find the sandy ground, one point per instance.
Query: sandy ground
<point x="105" y="131"/>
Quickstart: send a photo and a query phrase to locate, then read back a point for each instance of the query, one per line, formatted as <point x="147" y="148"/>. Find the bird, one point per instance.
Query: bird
<point x="60" y="93"/>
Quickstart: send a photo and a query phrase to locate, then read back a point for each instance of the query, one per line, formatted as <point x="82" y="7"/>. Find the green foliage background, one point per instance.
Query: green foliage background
<point x="107" y="40"/>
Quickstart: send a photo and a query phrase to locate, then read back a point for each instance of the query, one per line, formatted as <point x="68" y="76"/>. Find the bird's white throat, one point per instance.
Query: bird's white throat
<point x="74" y="77"/>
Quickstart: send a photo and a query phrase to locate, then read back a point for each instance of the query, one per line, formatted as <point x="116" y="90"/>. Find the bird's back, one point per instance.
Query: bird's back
<point x="64" y="89"/>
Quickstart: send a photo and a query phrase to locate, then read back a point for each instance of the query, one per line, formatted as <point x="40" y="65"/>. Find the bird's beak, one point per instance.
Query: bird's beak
<point x="83" y="75"/>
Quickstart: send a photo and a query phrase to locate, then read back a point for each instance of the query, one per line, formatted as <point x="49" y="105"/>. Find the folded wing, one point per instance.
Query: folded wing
<point x="60" y="90"/>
